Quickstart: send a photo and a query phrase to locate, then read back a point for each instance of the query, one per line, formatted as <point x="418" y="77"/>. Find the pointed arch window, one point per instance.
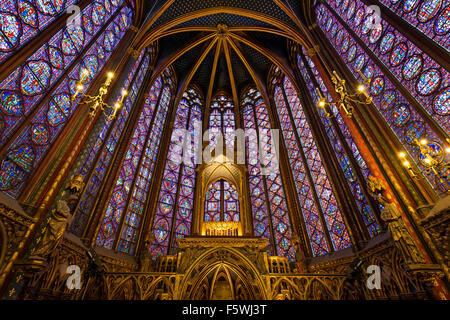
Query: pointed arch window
<point x="176" y="196"/>
<point x="222" y="202"/>
<point x="308" y="70"/>
<point x="53" y="69"/>
<point x="22" y="20"/>
<point x="323" y="219"/>
<point x="222" y="121"/>
<point x="96" y="157"/>
<point x="124" y="214"/>
<point x="427" y="82"/>
<point x="431" y="17"/>
<point x="268" y="200"/>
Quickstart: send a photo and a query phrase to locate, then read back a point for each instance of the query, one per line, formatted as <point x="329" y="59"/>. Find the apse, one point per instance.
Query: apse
<point x="224" y="150"/>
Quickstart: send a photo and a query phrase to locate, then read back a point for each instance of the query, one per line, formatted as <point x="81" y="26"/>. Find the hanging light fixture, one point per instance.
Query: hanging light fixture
<point x="97" y="101"/>
<point x="433" y="158"/>
<point x="346" y="99"/>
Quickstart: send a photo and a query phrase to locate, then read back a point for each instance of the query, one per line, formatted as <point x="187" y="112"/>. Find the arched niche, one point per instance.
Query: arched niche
<point x="222" y="273"/>
<point x="221" y="168"/>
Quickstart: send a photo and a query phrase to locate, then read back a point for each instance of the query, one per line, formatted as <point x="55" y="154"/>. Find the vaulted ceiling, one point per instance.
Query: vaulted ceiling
<point x="223" y="44"/>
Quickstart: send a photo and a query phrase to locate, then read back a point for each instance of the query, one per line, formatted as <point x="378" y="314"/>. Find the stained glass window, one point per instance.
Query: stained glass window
<point x="423" y="77"/>
<point x="429" y="86"/>
<point x="126" y="206"/>
<point x="222" y="121"/>
<point x="176" y="196"/>
<point x="331" y="128"/>
<point x="222" y="202"/>
<point x="21" y="21"/>
<point x="27" y="85"/>
<point x="24" y="88"/>
<point x="431" y="17"/>
<point x="309" y="173"/>
<point x="105" y="138"/>
<point x="268" y="201"/>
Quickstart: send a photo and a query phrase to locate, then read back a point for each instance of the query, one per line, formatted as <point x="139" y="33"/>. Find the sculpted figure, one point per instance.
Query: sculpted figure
<point x="145" y="259"/>
<point x="397" y="228"/>
<point x="300" y="259"/>
<point x="400" y="234"/>
<point x="60" y="219"/>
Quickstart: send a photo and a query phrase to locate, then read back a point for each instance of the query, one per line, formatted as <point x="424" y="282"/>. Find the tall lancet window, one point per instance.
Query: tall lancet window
<point x="96" y="157"/>
<point x="268" y="200"/>
<point x="36" y="97"/>
<point x="422" y="76"/>
<point x="222" y="121"/>
<point x="24" y="20"/>
<point x="410" y="89"/>
<point x="124" y="214"/>
<point x="429" y="16"/>
<point x="349" y="166"/>
<point x="322" y="216"/>
<point x="222" y="202"/>
<point x="176" y="197"/>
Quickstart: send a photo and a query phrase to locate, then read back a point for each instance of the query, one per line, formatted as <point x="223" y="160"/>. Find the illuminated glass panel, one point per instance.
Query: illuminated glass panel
<point x="350" y="173"/>
<point x="25" y="87"/>
<point x="175" y="202"/>
<point x="213" y="204"/>
<point x="222" y="121"/>
<point x="33" y="142"/>
<point x="222" y="202"/>
<point x="268" y="201"/>
<point x="140" y="191"/>
<point x="230" y="202"/>
<point x="21" y="21"/>
<point x="330" y="209"/>
<point x="431" y="17"/>
<point x="388" y="98"/>
<point x="130" y="182"/>
<point x="311" y="216"/>
<point x="99" y="136"/>
<point x="423" y="77"/>
<point x="188" y="175"/>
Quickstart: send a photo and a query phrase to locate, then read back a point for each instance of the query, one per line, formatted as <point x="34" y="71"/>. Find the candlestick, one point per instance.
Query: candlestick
<point x="319" y="93"/>
<point x="116" y="108"/>
<point x="84" y="73"/>
<point x="336" y="75"/>
<point x="124" y="94"/>
<point x="366" y="80"/>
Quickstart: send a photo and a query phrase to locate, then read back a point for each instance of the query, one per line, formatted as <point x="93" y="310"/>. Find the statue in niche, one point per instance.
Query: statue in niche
<point x="59" y="220"/>
<point x="146" y="263"/>
<point x="400" y="234"/>
<point x="396" y="226"/>
<point x="300" y="259"/>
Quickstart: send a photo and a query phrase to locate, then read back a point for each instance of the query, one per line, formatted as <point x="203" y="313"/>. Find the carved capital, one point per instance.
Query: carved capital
<point x="313" y="26"/>
<point x="313" y="51"/>
<point x="134" y="53"/>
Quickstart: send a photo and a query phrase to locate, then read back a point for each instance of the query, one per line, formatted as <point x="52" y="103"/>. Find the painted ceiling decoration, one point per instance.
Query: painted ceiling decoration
<point x="235" y="42"/>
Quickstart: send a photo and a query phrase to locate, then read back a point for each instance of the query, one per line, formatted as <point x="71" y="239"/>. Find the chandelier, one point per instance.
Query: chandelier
<point x="97" y="101"/>
<point x="433" y="158"/>
<point x="346" y="99"/>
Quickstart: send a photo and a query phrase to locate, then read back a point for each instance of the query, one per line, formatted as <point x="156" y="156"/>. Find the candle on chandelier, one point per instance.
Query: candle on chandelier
<point x="84" y="73"/>
<point x="124" y="94"/>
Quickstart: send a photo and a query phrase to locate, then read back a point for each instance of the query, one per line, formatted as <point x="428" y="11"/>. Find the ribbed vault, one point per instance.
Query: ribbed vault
<point x="226" y="44"/>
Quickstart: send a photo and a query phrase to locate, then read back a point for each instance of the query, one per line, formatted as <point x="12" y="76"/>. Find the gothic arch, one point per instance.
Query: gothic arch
<point x="211" y="173"/>
<point x="145" y="40"/>
<point x="230" y="259"/>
